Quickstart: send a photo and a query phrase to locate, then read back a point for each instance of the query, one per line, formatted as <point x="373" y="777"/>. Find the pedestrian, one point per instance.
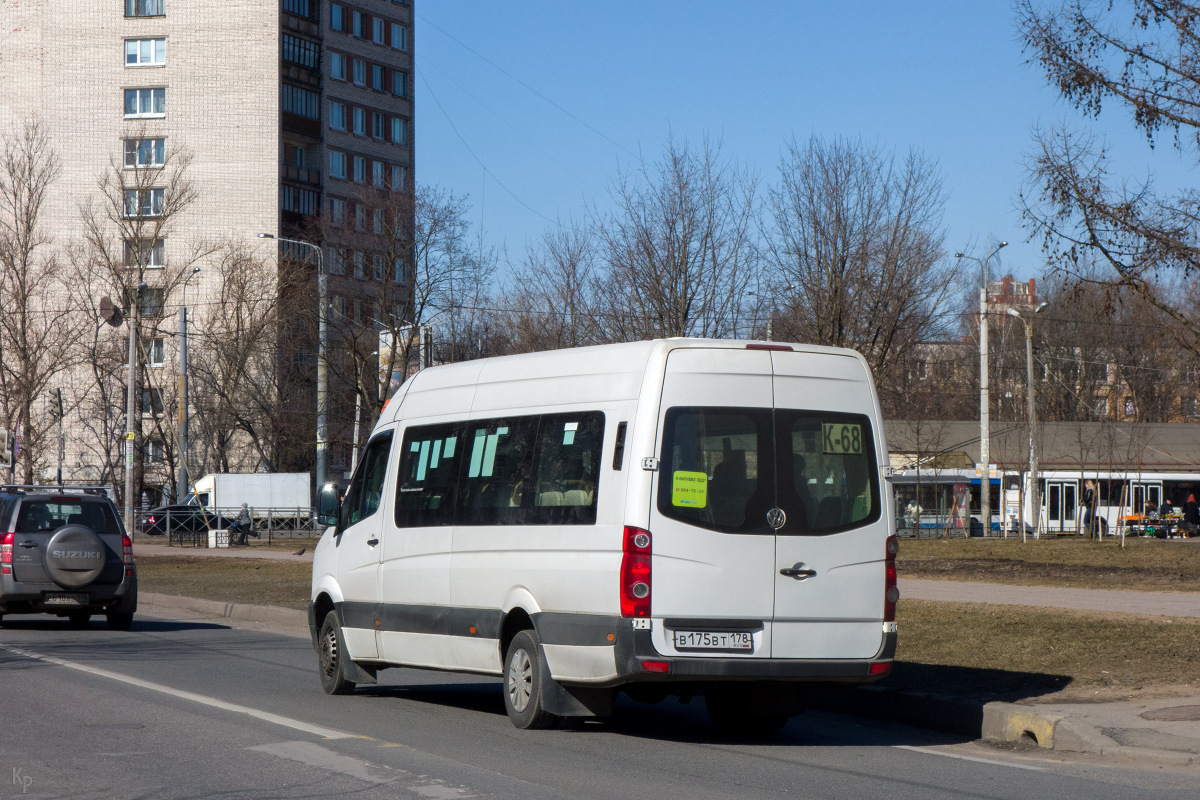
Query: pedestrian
<point x="1089" y="502"/>
<point x="1191" y="517"/>
<point x="242" y="525"/>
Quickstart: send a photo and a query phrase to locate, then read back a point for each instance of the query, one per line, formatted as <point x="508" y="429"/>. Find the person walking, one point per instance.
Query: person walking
<point x="1089" y="503"/>
<point x="1191" y="517"/>
<point x="242" y="525"/>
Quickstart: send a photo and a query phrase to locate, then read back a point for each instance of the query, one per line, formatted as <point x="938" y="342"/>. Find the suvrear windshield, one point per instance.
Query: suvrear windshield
<point x="39" y="516"/>
<point x="724" y="469"/>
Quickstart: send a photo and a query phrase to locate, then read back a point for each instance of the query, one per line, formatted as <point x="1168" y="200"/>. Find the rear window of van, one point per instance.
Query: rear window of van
<point x="724" y="468"/>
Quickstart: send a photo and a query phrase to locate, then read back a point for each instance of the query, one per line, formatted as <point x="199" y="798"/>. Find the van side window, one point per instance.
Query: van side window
<point x="366" y="490"/>
<point x="429" y="460"/>
<point x="567" y="466"/>
<point x="496" y="488"/>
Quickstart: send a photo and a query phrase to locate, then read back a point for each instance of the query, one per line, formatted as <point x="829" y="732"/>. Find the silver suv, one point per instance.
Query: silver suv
<point x="64" y="551"/>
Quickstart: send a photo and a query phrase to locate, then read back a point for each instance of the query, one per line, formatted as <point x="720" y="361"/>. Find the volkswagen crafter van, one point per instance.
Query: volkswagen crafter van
<point x="680" y="517"/>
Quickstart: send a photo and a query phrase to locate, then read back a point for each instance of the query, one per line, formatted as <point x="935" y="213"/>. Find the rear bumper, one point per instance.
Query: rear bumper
<point x="32" y="598"/>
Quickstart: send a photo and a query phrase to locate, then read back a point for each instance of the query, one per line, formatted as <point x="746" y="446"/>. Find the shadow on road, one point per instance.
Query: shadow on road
<point x="140" y="625"/>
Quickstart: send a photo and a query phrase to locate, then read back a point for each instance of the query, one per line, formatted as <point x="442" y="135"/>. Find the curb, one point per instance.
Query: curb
<point x="273" y="615"/>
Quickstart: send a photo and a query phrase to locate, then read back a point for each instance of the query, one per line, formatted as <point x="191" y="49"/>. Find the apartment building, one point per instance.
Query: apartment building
<point x="284" y="111"/>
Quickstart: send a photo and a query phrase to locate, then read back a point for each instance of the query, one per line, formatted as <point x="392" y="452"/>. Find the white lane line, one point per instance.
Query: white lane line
<point x="316" y="756"/>
<point x="932" y="752"/>
<point x="265" y="716"/>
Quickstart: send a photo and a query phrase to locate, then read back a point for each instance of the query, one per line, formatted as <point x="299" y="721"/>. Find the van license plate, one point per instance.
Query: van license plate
<point x="713" y="640"/>
<point x="66" y="599"/>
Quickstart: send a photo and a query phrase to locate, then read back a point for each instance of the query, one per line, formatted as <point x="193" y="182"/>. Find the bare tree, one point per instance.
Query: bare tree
<point x="37" y="330"/>
<point x="678" y="251"/>
<point x="854" y="250"/>
<point x="1144" y="56"/>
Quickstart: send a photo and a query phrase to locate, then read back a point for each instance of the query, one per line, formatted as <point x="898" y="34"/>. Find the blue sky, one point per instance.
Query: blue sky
<point x="947" y="78"/>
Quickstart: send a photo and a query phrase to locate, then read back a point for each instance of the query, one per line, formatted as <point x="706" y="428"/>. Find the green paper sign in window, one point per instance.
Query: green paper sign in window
<point x="690" y="489"/>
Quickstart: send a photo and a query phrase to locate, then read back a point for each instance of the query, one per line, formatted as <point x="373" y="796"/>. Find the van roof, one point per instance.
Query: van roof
<point x="598" y="372"/>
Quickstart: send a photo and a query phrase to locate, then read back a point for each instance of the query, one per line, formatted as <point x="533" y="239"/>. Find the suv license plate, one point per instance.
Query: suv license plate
<point x="61" y="599"/>
<point x="713" y="640"/>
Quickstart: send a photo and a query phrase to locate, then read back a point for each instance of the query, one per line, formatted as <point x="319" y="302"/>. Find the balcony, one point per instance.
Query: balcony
<point x="289" y="172"/>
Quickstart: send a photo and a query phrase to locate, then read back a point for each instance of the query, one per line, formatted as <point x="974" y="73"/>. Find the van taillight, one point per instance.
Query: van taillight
<point x="890" y="592"/>
<point x="635" y="573"/>
<point x="6" y="553"/>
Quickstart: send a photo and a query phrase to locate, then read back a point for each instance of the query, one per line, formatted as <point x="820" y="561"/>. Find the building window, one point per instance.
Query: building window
<point x="337" y="209"/>
<point x="301" y="8"/>
<point x="399" y="36"/>
<point x="399" y="83"/>
<point x="360" y="218"/>
<point x="359" y="28"/>
<point x="398" y="177"/>
<point x="359" y="271"/>
<point x="360" y="169"/>
<point x="145" y="52"/>
<point x="144" y="253"/>
<point x="397" y="271"/>
<point x="150" y="301"/>
<point x="337" y="66"/>
<point x="301" y="51"/>
<point x="360" y="122"/>
<point x="154" y="352"/>
<point x="1129" y="407"/>
<point x="337" y="115"/>
<point x="337" y="261"/>
<point x="377" y="30"/>
<point x="377" y="174"/>
<point x="360" y="72"/>
<point x="377" y="267"/>
<point x="339" y="307"/>
<point x="377" y="125"/>
<point x="145" y="152"/>
<point x="337" y="17"/>
<point x="144" y="8"/>
<point x="295" y="155"/>
<point x="298" y="201"/>
<point x="337" y="164"/>
<point x="377" y="77"/>
<point x="144" y="202"/>
<point x="145" y="102"/>
<point x="301" y="102"/>
<point x="399" y="130"/>
<point x="154" y="450"/>
<point x="377" y="224"/>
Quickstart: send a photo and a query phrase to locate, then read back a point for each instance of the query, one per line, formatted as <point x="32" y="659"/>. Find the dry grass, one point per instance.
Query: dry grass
<point x="1144" y="564"/>
<point x="257" y="581"/>
<point x="1018" y="652"/>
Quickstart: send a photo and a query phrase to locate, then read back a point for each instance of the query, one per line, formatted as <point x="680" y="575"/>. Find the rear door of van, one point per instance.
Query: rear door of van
<point x="829" y="574"/>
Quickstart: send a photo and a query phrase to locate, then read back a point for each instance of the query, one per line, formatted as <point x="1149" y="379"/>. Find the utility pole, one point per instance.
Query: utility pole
<point x="1035" y="503"/>
<point x="131" y="406"/>
<point x="56" y="411"/>
<point x="182" y="480"/>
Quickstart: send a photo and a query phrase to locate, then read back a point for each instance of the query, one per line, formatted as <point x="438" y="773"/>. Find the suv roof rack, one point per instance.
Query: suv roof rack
<point x="50" y="488"/>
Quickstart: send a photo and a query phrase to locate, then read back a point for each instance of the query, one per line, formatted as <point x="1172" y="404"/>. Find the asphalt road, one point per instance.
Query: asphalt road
<point x="187" y="709"/>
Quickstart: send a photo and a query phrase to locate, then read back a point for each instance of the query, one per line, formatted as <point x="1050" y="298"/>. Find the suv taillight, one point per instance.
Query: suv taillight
<point x="127" y="553"/>
<point x="891" y="592"/>
<point x="6" y="552"/>
<point x="635" y="573"/>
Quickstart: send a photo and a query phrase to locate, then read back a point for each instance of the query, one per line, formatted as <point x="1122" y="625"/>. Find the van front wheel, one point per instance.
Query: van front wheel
<point x="523" y="683"/>
<point x="331" y="651"/>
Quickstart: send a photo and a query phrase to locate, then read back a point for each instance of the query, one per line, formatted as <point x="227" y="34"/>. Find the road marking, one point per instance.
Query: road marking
<point x="316" y="756"/>
<point x="265" y="716"/>
<point x="932" y="752"/>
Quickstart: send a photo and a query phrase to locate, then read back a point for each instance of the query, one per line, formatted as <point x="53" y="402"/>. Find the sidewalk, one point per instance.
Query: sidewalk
<point x="144" y="548"/>
<point x="1167" y="604"/>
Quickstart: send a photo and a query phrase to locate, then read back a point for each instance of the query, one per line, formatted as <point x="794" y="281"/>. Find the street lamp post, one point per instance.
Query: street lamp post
<point x="985" y="478"/>
<point x="181" y="484"/>
<point x="322" y="350"/>
<point x="131" y="406"/>
<point x="1035" y="502"/>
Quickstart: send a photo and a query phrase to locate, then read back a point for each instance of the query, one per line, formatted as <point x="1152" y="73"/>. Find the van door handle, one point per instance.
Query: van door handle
<point x="798" y="571"/>
<point x="372" y="542"/>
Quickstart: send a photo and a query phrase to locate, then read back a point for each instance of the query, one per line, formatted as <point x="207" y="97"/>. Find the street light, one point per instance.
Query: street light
<point x="181" y="484"/>
<point x="985" y="480"/>
<point x="1035" y="500"/>
<point x="322" y="349"/>
<point x="131" y="404"/>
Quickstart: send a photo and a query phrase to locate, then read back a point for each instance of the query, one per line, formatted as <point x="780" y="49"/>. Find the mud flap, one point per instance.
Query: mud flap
<point x="571" y="701"/>
<point x="358" y="674"/>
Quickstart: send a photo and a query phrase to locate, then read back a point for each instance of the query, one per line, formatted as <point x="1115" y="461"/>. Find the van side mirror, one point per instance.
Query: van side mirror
<point x="328" y="504"/>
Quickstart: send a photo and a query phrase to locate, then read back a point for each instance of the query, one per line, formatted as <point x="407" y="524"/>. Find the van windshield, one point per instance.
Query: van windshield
<point x="724" y="468"/>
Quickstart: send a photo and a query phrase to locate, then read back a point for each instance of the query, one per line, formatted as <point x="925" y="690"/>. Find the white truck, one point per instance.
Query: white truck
<point x="278" y="493"/>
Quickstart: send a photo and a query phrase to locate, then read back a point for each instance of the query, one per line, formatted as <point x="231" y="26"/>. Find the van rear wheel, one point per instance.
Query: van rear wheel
<point x="523" y="683"/>
<point x="331" y="652"/>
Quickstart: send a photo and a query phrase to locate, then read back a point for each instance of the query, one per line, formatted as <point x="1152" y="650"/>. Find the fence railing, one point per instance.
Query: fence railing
<point x="191" y="527"/>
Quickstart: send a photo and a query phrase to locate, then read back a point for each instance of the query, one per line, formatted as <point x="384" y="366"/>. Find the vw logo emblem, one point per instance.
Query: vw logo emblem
<point x="776" y="518"/>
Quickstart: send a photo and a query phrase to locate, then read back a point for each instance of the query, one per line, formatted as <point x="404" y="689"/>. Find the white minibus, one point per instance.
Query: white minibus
<point x="680" y="517"/>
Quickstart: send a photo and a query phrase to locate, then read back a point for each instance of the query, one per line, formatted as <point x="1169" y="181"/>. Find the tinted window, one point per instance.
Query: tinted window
<point x="724" y="468"/>
<point x="429" y="461"/>
<point x="49" y="515"/>
<point x="566" y="468"/>
<point x="497" y="488"/>
<point x="366" y="490"/>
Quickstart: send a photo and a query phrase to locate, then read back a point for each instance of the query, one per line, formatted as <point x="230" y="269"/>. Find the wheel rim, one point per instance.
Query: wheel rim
<point x="328" y="655"/>
<point x="520" y="680"/>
